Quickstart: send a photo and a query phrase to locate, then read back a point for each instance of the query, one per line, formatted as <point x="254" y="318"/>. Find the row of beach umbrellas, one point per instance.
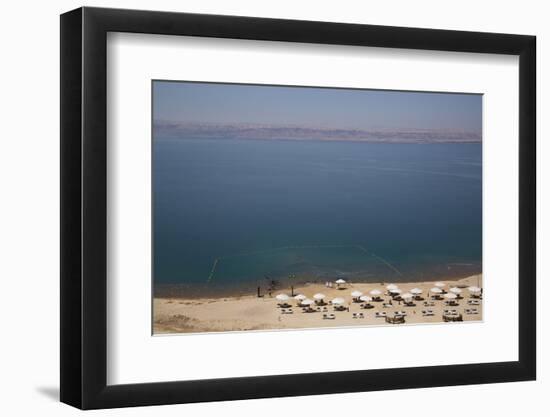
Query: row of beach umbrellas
<point x="392" y="289"/>
<point x="306" y="301"/>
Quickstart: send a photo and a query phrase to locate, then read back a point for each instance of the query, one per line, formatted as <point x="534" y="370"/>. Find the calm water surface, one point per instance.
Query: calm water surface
<point x="231" y="212"/>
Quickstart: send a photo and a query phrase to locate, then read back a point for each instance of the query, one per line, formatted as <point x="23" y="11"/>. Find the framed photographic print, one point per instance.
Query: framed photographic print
<point x="258" y="207"/>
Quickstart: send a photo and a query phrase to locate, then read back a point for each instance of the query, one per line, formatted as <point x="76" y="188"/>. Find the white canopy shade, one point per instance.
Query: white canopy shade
<point x="356" y="294"/>
<point x="319" y="296"/>
<point x="416" y="291"/>
<point x="407" y="295"/>
<point x="455" y="290"/>
<point x="300" y="297"/>
<point x="338" y="301"/>
<point x="439" y="284"/>
<point x="307" y="302"/>
<point x="365" y="298"/>
<point x="282" y="297"/>
<point x="474" y="289"/>
<point x="391" y="287"/>
<point x="340" y="281"/>
<point x="450" y="296"/>
<point x="375" y="292"/>
<point x="436" y="290"/>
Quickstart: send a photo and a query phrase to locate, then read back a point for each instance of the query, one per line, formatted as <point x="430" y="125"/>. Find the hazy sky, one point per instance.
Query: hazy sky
<point x="318" y="107"/>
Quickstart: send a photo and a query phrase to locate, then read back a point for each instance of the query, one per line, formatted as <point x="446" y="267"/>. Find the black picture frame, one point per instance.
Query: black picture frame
<point x="84" y="207"/>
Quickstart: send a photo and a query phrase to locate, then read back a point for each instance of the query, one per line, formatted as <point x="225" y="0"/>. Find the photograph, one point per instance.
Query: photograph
<point x="296" y="207"/>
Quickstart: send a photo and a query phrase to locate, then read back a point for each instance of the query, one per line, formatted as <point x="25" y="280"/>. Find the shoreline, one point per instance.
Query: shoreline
<point x="206" y="290"/>
<point x="244" y="312"/>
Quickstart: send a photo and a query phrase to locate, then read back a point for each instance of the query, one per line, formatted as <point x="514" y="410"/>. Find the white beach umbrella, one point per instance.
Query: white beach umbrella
<point x="375" y="293"/>
<point x="338" y="301"/>
<point x="439" y="284"/>
<point x="300" y="297"/>
<point x="391" y="287"/>
<point x="450" y="296"/>
<point x="282" y="297"/>
<point x="436" y="290"/>
<point x="395" y="291"/>
<point x="365" y="298"/>
<point x="307" y="302"/>
<point x="416" y="291"/>
<point x="319" y="296"/>
<point x="407" y="296"/>
<point x="356" y="294"/>
<point x="474" y="289"/>
<point x="340" y="281"/>
<point x="455" y="290"/>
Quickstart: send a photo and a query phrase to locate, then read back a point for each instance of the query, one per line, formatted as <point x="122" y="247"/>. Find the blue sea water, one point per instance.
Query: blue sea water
<point x="229" y="212"/>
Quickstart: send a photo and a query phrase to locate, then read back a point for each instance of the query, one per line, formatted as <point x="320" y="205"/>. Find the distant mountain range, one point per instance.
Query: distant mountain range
<point x="279" y="132"/>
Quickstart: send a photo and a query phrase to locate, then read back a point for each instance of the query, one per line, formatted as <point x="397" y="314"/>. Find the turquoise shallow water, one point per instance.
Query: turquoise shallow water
<point x="231" y="212"/>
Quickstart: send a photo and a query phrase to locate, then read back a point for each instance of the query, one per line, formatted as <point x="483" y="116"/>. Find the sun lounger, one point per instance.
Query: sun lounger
<point x="379" y="314"/>
<point x="427" y="313"/>
<point x="401" y="313"/>
<point x="355" y="315"/>
<point x="361" y="316"/>
<point x="473" y="302"/>
<point x="387" y="305"/>
<point x="329" y="316"/>
<point x="429" y="304"/>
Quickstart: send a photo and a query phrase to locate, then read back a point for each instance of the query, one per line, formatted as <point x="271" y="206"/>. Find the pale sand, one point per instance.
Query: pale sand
<point x="178" y="315"/>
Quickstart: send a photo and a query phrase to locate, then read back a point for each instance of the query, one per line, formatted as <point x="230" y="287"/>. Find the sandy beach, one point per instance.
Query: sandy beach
<point x="180" y="315"/>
